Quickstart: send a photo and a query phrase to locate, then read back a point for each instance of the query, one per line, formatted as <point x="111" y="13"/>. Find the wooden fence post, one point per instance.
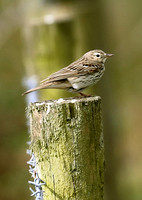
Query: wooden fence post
<point x="67" y="141"/>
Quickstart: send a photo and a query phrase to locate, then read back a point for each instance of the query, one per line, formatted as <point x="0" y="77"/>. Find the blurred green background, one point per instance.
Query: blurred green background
<point x="39" y="37"/>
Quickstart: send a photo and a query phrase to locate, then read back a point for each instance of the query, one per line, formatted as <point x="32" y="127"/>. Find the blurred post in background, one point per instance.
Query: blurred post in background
<point x="39" y="37"/>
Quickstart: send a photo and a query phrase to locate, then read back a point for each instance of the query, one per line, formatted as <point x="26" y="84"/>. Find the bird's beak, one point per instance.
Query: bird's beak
<point x="109" y="55"/>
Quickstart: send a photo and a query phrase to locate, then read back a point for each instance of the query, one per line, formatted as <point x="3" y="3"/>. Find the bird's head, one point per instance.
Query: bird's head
<point x="98" y="56"/>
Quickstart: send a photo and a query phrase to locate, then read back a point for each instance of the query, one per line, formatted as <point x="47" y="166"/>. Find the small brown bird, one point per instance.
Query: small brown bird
<point x="79" y="75"/>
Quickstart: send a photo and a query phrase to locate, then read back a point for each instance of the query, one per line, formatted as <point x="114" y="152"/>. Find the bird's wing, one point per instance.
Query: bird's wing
<point x="80" y="67"/>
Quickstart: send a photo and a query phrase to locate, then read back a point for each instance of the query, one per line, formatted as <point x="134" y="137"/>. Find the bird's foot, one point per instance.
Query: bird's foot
<point x="85" y="95"/>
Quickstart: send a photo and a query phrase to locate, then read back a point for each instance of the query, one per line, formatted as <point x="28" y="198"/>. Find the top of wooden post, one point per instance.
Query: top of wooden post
<point x="68" y="100"/>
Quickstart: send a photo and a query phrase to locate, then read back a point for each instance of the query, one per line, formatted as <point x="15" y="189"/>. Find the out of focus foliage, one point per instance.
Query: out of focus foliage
<point x="40" y="37"/>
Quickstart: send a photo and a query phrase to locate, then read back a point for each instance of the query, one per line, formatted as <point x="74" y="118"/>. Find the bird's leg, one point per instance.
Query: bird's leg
<point x="85" y="95"/>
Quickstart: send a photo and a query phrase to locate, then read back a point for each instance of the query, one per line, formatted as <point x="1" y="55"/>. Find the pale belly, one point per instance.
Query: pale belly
<point x="81" y="82"/>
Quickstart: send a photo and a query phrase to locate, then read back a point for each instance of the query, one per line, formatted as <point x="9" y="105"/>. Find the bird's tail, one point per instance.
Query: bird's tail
<point x="34" y="89"/>
<point x="60" y="84"/>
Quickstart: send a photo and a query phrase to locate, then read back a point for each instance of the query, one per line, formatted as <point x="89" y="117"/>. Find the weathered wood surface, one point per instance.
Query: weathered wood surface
<point x="67" y="140"/>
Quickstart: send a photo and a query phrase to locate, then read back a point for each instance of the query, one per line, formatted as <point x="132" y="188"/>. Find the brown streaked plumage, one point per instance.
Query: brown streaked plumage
<point x="79" y="75"/>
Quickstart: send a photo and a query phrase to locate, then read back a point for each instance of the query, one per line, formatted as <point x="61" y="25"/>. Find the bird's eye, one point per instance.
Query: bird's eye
<point x="98" y="55"/>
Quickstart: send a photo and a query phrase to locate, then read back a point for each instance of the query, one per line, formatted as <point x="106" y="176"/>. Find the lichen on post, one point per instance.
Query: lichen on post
<point x="67" y="141"/>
